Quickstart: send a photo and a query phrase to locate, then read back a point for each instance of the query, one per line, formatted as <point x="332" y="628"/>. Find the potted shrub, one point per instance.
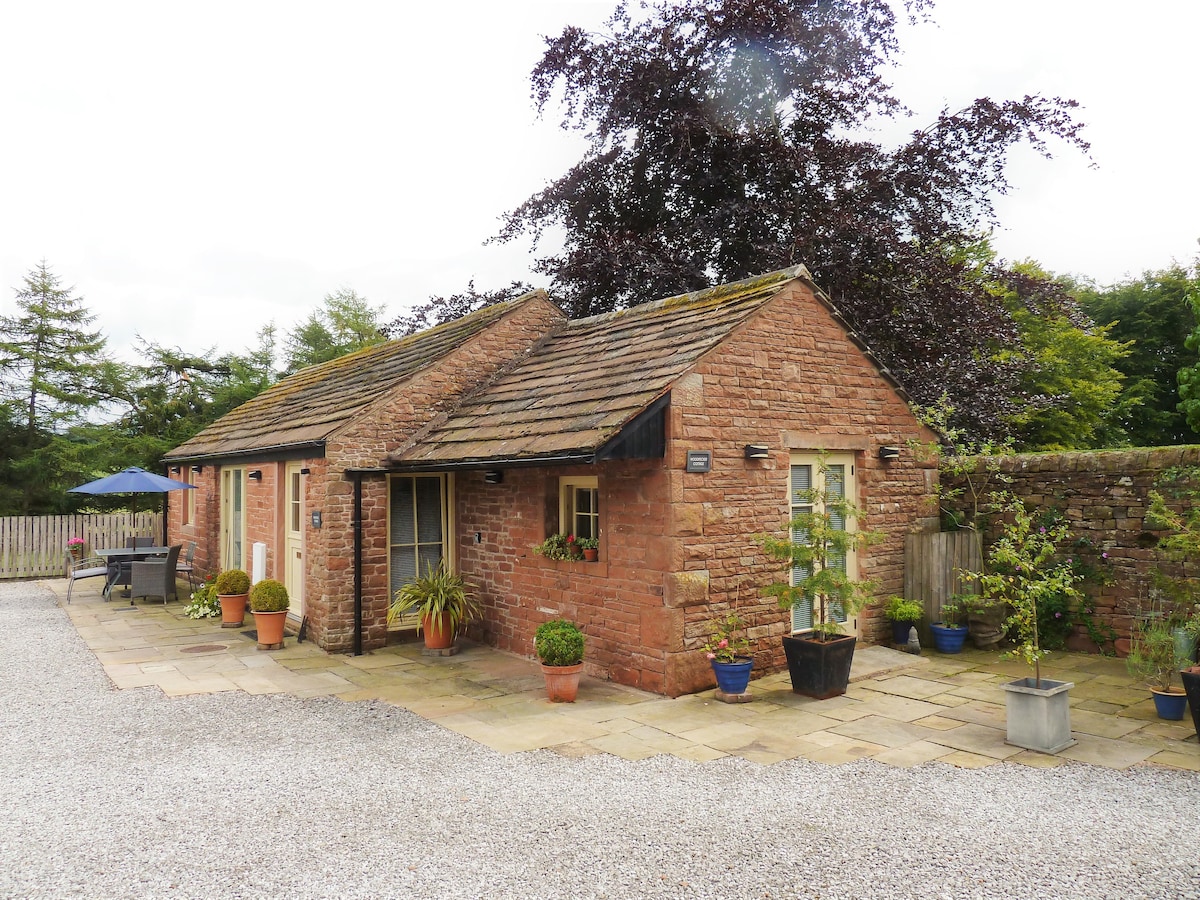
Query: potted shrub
<point x="233" y="590"/>
<point x="1152" y="659"/>
<point x="441" y="602"/>
<point x="985" y="620"/>
<point x="590" y="548"/>
<point x="904" y="614"/>
<point x="558" y="643"/>
<point x="728" y="652"/>
<point x="819" y="661"/>
<point x="1024" y="570"/>
<point x="269" y="604"/>
<point x="949" y="635"/>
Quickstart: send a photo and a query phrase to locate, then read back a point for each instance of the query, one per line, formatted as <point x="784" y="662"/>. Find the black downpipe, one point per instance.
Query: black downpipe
<point x="358" y="533"/>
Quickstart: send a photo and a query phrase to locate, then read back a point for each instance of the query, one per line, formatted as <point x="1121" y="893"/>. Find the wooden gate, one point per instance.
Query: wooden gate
<point x="933" y="567"/>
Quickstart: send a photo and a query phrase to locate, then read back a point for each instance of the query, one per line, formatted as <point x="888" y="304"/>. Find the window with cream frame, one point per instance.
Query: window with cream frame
<point x="579" y="506"/>
<point x="805" y="479"/>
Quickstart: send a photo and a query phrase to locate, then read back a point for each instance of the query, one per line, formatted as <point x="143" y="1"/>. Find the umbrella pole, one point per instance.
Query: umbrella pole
<point x="164" y="514"/>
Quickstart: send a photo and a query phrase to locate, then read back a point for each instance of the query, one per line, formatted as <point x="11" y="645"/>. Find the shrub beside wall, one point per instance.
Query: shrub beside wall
<point x="1103" y="496"/>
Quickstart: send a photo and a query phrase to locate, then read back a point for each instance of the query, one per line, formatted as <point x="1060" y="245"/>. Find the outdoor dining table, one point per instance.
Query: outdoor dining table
<point x="117" y="555"/>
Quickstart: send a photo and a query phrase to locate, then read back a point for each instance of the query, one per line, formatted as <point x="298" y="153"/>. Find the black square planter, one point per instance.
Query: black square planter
<point x="819" y="669"/>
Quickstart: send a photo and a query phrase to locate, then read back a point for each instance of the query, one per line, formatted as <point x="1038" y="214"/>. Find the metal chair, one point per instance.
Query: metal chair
<point x="187" y="567"/>
<point x="155" y="577"/>
<point x="77" y="570"/>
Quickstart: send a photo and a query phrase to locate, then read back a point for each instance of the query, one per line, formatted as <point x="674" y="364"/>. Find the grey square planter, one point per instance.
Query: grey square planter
<point x="1039" y="718"/>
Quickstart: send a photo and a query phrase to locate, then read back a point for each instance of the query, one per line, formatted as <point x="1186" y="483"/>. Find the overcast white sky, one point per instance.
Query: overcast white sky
<point x="198" y="170"/>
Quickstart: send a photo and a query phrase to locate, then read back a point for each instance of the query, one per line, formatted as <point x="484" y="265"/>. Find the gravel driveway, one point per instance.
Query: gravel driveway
<point x="107" y="793"/>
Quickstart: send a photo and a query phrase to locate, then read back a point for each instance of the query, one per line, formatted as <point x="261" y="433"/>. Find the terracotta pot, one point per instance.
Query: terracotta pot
<point x="270" y="626"/>
<point x="562" y="682"/>
<point x="437" y="631"/>
<point x="591" y="555"/>
<point x="233" y="609"/>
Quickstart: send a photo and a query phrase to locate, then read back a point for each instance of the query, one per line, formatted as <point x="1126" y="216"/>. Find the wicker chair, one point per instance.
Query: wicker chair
<point x="188" y="567"/>
<point x="155" y="577"/>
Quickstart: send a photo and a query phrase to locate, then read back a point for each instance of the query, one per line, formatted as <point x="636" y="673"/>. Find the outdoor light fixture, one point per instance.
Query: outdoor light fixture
<point x="757" y="451"/>
<point x="197" y="468"/>
<point x="889" y="453"/>
<point x="174" y="470"/>
<point x="493" y="476"/>
<point x="305" y="470"/>
<point x="256" y="475"/>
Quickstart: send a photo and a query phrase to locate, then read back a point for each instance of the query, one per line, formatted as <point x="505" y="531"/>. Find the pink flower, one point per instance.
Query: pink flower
<point x="711" y="655"/>
<point x="722" y="644"/>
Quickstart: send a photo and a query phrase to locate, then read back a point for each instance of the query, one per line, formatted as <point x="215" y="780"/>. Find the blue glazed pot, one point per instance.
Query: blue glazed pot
<point x="734" y="677"/>
<point x="1169" y="706"/>
<point x="946" y="639"/>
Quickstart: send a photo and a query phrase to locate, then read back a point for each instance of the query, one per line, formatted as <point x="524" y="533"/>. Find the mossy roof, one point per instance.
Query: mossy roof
<point x="309" y="406"/>
<point x="590" y="378"/>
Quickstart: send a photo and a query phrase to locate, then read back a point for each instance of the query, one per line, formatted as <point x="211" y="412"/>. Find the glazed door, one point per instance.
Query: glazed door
<point x="808" y="483"/>
<point x="293" y="539"/>
<point x="233" y="519"/>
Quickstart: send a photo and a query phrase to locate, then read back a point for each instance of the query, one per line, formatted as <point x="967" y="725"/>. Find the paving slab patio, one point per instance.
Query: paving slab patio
<point x="900" y="709"/>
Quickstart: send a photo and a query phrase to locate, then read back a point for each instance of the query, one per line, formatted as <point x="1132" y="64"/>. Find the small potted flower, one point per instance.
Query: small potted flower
<point x="590" y="547"/>
<point x="728" y="651"/>
<point x="949" y="635"/>
<point x="557" y="546"/>
<point x="904" y="614"/>
<point x="75" y="547"/>
<point x="233" y="590"/>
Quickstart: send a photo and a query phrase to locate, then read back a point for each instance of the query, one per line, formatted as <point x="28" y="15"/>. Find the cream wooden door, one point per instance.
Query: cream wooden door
<point x="293" y="539"/>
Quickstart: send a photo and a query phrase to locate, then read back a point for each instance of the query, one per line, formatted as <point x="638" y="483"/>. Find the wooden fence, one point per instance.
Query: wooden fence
<point x="36" y="546"/>
<point x="933" y="563"/>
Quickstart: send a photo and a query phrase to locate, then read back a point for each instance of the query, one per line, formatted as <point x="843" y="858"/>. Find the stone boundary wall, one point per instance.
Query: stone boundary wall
<point x="1103" y="495"/>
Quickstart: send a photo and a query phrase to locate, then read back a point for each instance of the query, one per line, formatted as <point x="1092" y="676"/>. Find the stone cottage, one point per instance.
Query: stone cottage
<point x="673" y="432"/>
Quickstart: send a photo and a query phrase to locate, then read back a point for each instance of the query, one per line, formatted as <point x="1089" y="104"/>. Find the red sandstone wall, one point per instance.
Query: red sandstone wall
<point x="1103" y="496"/>
<point x="789" y="379"/>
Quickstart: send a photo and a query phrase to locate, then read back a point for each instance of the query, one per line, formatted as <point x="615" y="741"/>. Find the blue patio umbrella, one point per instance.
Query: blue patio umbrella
<point x="135" y="481"/>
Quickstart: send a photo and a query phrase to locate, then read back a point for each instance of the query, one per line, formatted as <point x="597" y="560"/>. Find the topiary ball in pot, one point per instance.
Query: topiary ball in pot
<point x="268" y="596"/>
<point x="232" y="582"/>
<point x="559" y="643"/>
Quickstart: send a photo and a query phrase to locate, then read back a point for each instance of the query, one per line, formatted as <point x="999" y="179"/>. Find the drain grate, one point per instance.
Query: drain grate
<point x="203" y="648"/>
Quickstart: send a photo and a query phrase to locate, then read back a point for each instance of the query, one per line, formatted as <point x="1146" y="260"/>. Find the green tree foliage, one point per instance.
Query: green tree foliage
<point x="1069" y="373"/>
<point x="1152" y="317"/>
<point x="54" y="372"/>
<point x="344" y="323"/>
<point x="726" y="140"/>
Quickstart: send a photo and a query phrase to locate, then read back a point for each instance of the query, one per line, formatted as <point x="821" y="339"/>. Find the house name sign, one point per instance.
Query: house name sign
<point x="698" y="461"/>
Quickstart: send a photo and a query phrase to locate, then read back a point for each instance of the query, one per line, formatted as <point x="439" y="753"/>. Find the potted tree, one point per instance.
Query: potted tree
<point x="728" y="652"/>
<point x="904" y="614"/>
<point x="233" y="590"/>
<point x="558" y="643"/>
<point x="949" y="634"/>
<point x="441" y="602"/>
<point x="1152" y="659"/>
<point x="269" y="604"/>
<point x="817" y="546"/>
<point x="1024" y="570"/>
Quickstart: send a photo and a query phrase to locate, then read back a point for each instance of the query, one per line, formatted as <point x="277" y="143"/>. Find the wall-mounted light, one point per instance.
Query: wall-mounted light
<point x="174" y="470"/>
<point x="493" y="476"/>
<point x="757" y="451"/>
<point x="256" y="475"/>
<point x="887" y="454"/>
<point x="197" y="468"/>
<point x="305" y="471"/>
